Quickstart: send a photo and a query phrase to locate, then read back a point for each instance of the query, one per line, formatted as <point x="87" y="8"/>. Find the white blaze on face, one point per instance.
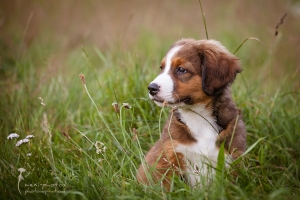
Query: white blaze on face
<point x="164" y="80"/>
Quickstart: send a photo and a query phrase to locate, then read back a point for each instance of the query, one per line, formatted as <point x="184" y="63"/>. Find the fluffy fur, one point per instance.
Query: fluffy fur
<point x="194" y="80"/>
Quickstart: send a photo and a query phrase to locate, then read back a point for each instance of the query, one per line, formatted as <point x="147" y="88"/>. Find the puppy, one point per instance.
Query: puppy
<point x="195" y="81"/>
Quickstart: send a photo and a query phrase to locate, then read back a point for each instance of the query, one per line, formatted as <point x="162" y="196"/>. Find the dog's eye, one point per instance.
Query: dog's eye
<point x="160" y="67"/>
<point x="180" y="70"/>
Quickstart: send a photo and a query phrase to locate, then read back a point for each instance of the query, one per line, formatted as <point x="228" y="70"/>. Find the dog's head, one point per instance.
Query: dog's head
<point x="192" y="72"/>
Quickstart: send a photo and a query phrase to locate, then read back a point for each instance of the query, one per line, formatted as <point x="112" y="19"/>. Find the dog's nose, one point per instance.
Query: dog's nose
<point x="153" y="89"/>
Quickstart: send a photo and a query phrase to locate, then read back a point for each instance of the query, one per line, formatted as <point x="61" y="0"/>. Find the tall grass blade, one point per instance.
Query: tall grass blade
<point x="250" y="38"/>
<point x="203" y="18"/>
<point x="247" y="151"/>
<point x="221" y="163"/>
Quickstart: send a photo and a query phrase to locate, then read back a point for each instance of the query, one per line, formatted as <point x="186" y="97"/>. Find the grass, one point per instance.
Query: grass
<point x="83" y="149"/>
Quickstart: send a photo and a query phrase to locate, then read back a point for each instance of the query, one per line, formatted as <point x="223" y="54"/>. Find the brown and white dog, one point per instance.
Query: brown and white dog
<point x="194" y="79"/>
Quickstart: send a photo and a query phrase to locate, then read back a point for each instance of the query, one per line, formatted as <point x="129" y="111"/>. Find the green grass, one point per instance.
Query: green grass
<point x="270" y="170"/>
<point x="64" y="161"/>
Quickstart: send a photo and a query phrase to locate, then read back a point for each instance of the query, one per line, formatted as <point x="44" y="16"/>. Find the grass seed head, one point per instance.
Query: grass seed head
<point x="66" y="134"/>
<point x="82" y="78"/>
<point x="126" y="105"/>
<point x="134" y="137"/>
<point x="280" y="23"/>
<point x="116" y="107"/>
<point x="42" y="101"/>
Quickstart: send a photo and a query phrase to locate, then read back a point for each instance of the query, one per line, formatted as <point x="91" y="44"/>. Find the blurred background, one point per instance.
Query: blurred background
<point x="70" y="24"/>
<point x="63" y="26"/>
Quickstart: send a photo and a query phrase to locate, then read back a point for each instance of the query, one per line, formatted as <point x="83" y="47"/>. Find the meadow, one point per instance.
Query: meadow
<point x="74" y="75"/>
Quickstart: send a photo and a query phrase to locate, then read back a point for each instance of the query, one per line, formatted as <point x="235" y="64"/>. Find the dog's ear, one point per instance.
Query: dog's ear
<point x="218" y="66"/>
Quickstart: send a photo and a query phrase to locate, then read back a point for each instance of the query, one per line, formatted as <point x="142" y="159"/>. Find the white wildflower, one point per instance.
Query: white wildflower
<point x="21" y="170"/>
<point x="29" y="154"/>
<point x="25" y="140"/>
<point x="21" y="142"/>
<point x="98" y="151"/>
<point x="12" y="135"/>
<point x="100" y="147"/>
<point x="29" y="136"/>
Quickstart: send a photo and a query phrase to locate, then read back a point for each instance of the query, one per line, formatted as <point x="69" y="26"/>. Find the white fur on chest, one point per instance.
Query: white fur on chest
<point x="203" y="154"/>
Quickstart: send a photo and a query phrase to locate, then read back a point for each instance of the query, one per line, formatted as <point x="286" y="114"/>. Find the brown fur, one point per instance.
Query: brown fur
<point x="162" y="156"/>
<point x="210" y="71"/>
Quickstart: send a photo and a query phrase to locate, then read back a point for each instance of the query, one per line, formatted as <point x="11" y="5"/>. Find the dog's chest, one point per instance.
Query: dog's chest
<point x="201" y="155"/>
